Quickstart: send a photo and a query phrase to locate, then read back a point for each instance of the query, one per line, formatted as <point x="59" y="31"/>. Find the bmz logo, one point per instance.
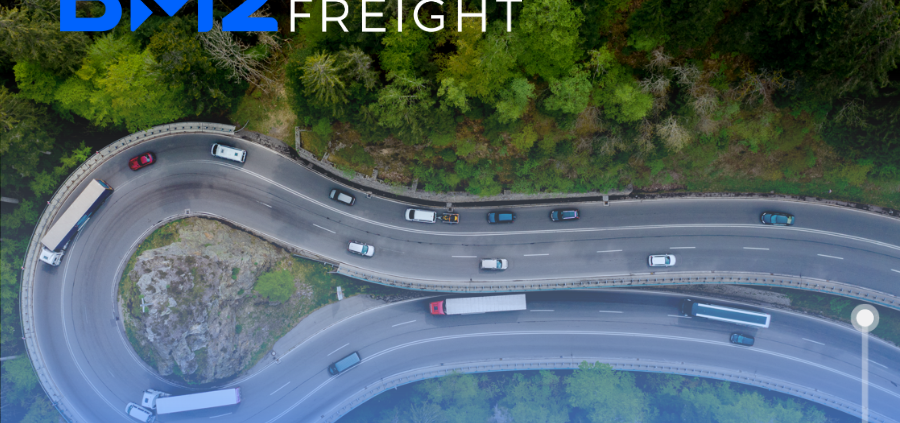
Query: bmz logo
<point x="238" y="20"/>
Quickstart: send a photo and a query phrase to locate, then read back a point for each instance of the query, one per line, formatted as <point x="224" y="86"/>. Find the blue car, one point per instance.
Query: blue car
<point x="501" y="217"/>
<point x="777" y="219"/>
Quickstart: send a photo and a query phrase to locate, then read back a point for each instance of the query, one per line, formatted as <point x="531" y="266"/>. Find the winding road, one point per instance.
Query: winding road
<point x="82" y="343"/>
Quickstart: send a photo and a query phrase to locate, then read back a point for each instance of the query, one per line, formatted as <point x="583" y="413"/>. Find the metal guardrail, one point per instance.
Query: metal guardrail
<point x="635" y="365"/>
<point x="26" y="299"/>
<point x="636" y="280"/>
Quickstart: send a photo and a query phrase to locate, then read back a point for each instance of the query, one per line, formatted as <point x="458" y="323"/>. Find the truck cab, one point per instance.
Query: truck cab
<point x="140" y="413"/>
<point x="437" y="308"/>
<point x="50" y="257"/>
<point x="150" y="397"/>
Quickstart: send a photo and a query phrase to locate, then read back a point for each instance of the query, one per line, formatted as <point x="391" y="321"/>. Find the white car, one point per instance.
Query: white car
<point x="361" y="249"/>
<point x="228" y="152"/>
<point x="663" y="260"/>
<point x="494" y="264"/>
<point x="139" y="413"/>
<point x="418" y="215"/>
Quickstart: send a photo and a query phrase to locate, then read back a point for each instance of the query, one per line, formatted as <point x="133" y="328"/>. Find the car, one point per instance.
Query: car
<point x="501" y="217"/>
<point x="344" y="363"/>
<point x="494" y="264"/>
<point x="342" y="197"/>
<point x="662" y="260"/>
<point x="561" y="215"/>
<point x="361" y="249"/>
<point x="777" y="218"/>
<point x="140" y="413"/>
<point x="737" y="338"/>
<point x="228" y="152"/>
<point x="144" y="160"/>
<point x="419" y="215"/>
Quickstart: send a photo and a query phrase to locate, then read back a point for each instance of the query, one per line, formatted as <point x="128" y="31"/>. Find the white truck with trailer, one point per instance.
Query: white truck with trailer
<point x="71" y="221"/>
<point x="164" y="403"/>
<point x="475" y="305"/>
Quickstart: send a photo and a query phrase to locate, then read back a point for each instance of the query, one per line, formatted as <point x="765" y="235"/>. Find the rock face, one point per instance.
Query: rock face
<point x="205" y="323"/>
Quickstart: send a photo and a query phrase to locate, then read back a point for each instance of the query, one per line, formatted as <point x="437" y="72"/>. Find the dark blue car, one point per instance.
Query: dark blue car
<point x="564" y="214"/>
<point x="501" y="217"/>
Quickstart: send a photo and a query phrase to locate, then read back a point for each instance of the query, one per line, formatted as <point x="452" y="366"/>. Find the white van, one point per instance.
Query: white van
<point x="140" y="413"/>
<point x="229" y="153"/>
<point x="361" y="249"/>
<point x="417" y="215"/>
<point x="494" y="264"/>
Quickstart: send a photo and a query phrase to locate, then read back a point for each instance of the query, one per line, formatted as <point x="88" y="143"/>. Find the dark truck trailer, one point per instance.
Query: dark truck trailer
<point x="57" y="238"/>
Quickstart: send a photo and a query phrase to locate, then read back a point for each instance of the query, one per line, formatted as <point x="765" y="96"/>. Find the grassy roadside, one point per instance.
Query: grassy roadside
<point x="839" y="308"/>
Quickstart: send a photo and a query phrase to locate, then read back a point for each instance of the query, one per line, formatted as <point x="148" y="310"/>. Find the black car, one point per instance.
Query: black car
<point x="739" y="339"/>
<point x="501" y="217"/>
<point x="777" y="219"/>
<point x="562" y="215"/>
<point x="342" y="197"/>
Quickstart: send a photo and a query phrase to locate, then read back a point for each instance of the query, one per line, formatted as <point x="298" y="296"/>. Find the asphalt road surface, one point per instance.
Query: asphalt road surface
<point x="95" y="369"/>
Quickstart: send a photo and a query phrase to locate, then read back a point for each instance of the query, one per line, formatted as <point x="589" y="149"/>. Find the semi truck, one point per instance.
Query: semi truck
<point x="692" y="308"/>
<point x="474" y="305"/>
<point x="164" y="403"/>
<point x="57" y="238"/>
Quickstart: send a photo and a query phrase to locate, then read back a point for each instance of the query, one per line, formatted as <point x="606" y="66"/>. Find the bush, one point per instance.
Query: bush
<point x="276" y="286"/>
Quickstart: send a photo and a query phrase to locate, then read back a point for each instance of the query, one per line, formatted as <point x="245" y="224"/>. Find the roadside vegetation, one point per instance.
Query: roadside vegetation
<point x="594" y="393"/>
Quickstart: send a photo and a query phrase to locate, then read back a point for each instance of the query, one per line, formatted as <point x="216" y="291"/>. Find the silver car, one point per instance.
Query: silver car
<point x="662" y="260"/>
<point x="494" y="264"/>
<point x="361" y="249"/>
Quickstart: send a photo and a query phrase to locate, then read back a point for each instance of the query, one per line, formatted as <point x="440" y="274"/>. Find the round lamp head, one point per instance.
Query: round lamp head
<point x="864" y="318"/>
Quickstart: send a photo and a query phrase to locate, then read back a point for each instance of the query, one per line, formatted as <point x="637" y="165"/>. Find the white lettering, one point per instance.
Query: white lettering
<point x="439" y="18"/>
<point x="482" y="15"/>
<point x="399" y="15"/>
<point x="340" y="20"/>
<point x="509" y="12"/>
<point x="294" y="14"/>
<point x="371" y="15"/>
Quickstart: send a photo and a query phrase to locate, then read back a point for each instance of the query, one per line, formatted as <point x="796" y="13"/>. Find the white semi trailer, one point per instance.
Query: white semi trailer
<point x="164" y="403"/>
<point x="71" y="221"/>
<point x="474" y="305"/>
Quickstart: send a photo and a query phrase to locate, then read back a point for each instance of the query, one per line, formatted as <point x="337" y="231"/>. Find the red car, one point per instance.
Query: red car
<point x="143" y="160"/>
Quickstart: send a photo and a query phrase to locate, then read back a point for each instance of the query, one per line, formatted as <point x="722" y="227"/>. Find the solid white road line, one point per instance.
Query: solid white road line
<point x="535" y="255"/>
<point x="834" y="257"/>
<point x="682" y="248"/>
<point x="609" y="251"/>
<point x="814" y="342"/>
<point x="463" y="256"/>
<point x="398" y="324"/>
<point x="540" y="310"/>
<point x="282" y="386"/>
<point x="342" y="346"/>
<point x="875" y="362"/>
<point x="895" y="270"/>
<point x="680" y="317"/>
<point x="756" y="248"/>
<point x="605" y="311"/>
<point x="325" y="229"/>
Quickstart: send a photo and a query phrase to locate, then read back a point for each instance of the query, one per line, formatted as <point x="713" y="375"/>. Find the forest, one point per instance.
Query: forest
<point x="790" y="97"/>
<point x="593" y="393"/>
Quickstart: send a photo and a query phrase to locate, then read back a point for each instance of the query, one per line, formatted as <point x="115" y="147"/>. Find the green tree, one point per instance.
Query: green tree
<point x="514" y="99"/>
<point x="41" y="411"/>
<point x="405" y="105"/>
<point x="607" y="396"/>
<point x="184" y="67"/>
<point x="523" y="141"/>
<point x="32" y="34"/>
<point x="538" y="399"/>
<point x="482" y="63"/>
<point x="35" y="82"/>
<point x="569" y="94"/>
<point x="460" y="396"/>
<point x="135" y="98"/>
<point x="405" y="52"/>
<point x="276" y="286"/>
<point x="20" y="375"/>
<point x="547" y="37"/>
<point x="26" y="130"/>
<point x="9" y="295"/>
<point x="322" y="79"/>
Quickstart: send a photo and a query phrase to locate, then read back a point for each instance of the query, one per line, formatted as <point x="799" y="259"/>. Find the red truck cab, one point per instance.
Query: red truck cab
<point x="437" y="308"/>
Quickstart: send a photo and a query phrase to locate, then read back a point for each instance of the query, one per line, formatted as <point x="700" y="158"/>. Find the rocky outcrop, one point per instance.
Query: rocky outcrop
<point x="205" y="322"/>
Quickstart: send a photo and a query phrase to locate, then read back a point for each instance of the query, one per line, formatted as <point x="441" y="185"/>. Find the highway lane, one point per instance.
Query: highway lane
<point x="94" y="366"/>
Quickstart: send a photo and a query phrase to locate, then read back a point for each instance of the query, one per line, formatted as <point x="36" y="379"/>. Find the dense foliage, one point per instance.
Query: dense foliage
<point x="585" y="95"/>
<point x="594" y="393"/>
